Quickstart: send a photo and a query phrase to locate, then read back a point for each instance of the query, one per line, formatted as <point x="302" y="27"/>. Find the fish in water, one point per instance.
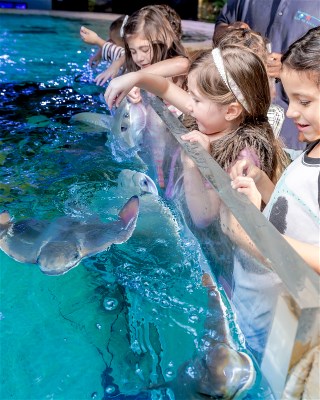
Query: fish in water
<point x="103" y="121"/>
<point x="140" y="183"/>
<point x="217" y="370"/>
<point x="126" y="124"/>
<point x="129" y="122"/>
<point x="59" y="245"/>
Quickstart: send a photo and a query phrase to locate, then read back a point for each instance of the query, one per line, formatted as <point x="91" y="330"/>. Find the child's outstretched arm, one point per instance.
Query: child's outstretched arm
<point x="310" y="253"/>
<point x="110" y="72"/>
<point x="121" y="86"/>
<point x="89" y="36"/>
<point x="202" y="200"/>
<point x="95" y="59"/>
<point x="175" y="66"/>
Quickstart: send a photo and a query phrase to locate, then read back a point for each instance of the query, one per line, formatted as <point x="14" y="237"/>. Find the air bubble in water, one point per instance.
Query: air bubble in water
<point x="169" y="373"/>
<point x="110" y="389"/>
<point x="110" y="304"/>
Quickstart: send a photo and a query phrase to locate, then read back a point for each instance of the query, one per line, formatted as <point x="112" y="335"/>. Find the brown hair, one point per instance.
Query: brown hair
<point x="244" y="37"/>
<point x="303" y="55"/>
<point x="154" y="25"/>
<point x="249" y="73"/>
<point x="173" y="17"/>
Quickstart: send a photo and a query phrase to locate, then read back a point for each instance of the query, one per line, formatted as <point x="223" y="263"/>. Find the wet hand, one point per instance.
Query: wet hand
<point x="118" y="88"/>
<point x="88" y="36"/>
<point x="95" y="59"/>
<point x="134" y="96"/>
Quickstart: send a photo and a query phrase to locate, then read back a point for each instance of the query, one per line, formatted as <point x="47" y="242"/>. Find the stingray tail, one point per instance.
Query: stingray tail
<point x="130" y="211"/>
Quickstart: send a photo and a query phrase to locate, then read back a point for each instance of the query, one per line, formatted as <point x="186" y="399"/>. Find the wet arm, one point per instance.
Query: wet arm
<point x="120" y="87"/>
<point x="202" y="200"/>
<point x="167" y="68"/>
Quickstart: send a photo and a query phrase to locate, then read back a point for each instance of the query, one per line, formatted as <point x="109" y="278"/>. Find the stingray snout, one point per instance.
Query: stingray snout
<point x="57" y="258"/>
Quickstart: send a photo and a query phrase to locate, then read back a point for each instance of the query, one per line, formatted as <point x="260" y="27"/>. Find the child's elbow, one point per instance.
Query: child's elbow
<point x="182" y="65"/>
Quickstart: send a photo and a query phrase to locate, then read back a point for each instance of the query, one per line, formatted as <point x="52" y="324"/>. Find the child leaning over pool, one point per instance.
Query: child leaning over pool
<point x="293" y="204"/>
<point x="91" y="37"/>
<point x="159" y="26"/>
<point x="230" y="112"/>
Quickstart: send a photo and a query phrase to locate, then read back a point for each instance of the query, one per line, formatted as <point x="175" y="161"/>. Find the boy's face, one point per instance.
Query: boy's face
<point x="304" y="102"/>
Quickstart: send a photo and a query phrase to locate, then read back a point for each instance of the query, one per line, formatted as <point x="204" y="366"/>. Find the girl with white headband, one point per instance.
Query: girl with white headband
<point x="229" y="98"/>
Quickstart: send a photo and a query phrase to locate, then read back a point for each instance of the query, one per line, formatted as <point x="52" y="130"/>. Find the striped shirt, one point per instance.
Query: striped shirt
<point x="111" y="52"/>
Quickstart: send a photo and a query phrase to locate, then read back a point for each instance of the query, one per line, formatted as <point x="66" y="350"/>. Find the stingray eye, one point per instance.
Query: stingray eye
<point x="143" y="182"/>
<point x="126" y="115"/>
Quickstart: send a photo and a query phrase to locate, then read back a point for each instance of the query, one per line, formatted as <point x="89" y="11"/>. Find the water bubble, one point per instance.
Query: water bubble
<point x="193" y="318"/>
<point x="169" y="373"/>
<point x="110" y="389"/>
<point x="110" y="303"/>
<point x="94" y="395"/>
<point x="98" y="326"/>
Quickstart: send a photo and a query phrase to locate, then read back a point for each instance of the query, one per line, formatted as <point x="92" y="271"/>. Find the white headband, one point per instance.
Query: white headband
<point x="230" y="83"/>
<point x="125" y="20"/>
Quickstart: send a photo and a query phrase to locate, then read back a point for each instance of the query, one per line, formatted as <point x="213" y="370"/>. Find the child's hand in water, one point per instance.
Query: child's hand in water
<point x="109" y="73"/>
<point x="118" y="88"/>
<point x="196" y="136"/>
<point x="246" y="185"/>
<point x="134" y="96"/>
<point x="95" y="59"/>
<point x="88" y="36"/>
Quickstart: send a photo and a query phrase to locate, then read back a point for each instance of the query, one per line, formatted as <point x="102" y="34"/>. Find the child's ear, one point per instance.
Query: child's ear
<point x="233" y="111"/>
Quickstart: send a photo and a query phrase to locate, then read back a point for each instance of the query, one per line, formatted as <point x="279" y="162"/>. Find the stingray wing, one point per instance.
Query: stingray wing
<point x="23" y="240"/>
<point x="99" y="237"/>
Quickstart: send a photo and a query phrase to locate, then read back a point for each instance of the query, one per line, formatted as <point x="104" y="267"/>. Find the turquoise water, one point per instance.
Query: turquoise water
<point x="124" y="320"/>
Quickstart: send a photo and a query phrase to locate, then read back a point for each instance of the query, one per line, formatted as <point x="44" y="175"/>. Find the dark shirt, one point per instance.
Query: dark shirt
<point x="281" y="21"/>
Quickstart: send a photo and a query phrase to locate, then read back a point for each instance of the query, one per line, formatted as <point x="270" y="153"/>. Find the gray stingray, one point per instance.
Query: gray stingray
<point x="59" y="245"/>
<point x="126" y="124"/>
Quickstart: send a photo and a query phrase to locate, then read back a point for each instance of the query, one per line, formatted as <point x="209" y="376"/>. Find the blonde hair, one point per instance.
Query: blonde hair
<point x="153" y="23"/>
<point x="249" y="73"/>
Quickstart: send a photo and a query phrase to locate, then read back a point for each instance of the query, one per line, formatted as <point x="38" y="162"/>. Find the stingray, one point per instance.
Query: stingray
<point x="59" y="245"/>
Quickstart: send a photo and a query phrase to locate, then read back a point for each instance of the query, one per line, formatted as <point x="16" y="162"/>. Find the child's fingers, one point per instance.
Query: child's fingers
<point x="242" y="182"/>
<point x="191" y="136"/>
<point x="238" y="169"/>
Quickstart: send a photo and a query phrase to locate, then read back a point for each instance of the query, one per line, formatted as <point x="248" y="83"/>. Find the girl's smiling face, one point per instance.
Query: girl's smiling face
<point x="141" y="50"/>
<point x="304" y="101"/>
<point x="210" y="116"/>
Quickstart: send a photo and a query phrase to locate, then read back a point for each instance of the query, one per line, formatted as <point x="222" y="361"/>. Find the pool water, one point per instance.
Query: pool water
<point x="121" y="323"/>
